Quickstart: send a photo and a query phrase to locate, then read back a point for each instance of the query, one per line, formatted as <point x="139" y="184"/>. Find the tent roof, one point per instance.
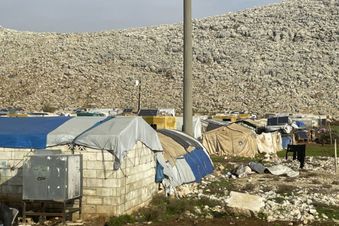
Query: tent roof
<point x="181" y="138"/>
<point x="120" y="135"/>
<point x="232" y="127"/>
<point x="30" y="132"/>
<point x="68" y="131"/>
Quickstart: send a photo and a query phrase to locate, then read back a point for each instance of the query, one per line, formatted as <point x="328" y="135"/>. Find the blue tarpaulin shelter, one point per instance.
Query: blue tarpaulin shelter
<point x="188" y="158"/>
<point x="30" y="132"/>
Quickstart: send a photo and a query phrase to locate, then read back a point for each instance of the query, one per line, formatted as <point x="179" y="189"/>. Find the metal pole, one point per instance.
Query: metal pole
<point x="139" y="98"/>
<point x="188" y="112"/>
<point x="335" y="157"/>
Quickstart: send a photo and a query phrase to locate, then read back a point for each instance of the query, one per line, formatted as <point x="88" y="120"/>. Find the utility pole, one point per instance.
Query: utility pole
<point x="188" y="112"/>
<point x="138" y="84"/>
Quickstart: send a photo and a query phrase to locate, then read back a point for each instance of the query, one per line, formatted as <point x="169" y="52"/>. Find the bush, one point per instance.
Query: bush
<point x="120" y="220"/>
<point x="325" y="138"/>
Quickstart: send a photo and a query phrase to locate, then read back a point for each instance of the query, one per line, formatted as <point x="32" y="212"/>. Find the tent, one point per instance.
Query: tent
<point x="120" y="188"/>
<point x="185" y="156"/>
<point x="269" y="142"/>
<point x="231" y="140"/>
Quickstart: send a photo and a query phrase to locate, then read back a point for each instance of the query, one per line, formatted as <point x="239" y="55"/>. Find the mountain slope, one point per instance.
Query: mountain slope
<point x="282" y="57"/>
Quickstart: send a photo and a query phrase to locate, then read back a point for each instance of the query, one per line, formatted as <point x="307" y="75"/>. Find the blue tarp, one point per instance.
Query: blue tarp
<point x="199" y="163"/>
<point x="286" y="140"/>
<point x="159" y="173"/>
<point x="30" y="132"/>
<point x="300" y="124"/>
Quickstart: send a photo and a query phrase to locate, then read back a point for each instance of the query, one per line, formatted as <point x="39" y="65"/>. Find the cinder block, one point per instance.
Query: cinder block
<point x="5" y="155"/>
<point x="106" y="210"/>
<point x="107" y="165"/>
<point x="87" y="192"/>
<point x="111" y="183"/>
<point x="104" y="192"/>
<point x="104" y="156"/>
<point x="89" y="173"/>
<point x="89" y="156"/>
<point x="94" y="165"/>
<point x="93" y="183"/>
<point x="89" y="209"/>
<point x="20" y="155"/>
<point x="93" y="200"/>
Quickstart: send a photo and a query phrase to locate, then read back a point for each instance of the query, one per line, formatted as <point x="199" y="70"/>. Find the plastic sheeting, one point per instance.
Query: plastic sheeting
<point x="286" y="140"/>
<point x="186" y="158"/>
<point x="269" y="142"/>
<point x="199" y="162"/>
<point x="197" y="126"/>
<point x="282" y="170"/>
<point x="68" y="131"/>
<point x="231" y="140"/>
<point x="29" y="133"/>
<point x="119" y="135"/>
<point x="172" y="149"/>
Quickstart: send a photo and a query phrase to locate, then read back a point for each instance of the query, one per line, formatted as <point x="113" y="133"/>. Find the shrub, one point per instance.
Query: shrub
<point x="120" y="220"/>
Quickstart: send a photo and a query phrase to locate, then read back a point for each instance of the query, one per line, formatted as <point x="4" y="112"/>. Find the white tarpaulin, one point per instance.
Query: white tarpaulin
<point x="197" y="126"/>
<point x="282" y="170"/>
<point x="119" y="135"/>
<point x="269" y="142"/>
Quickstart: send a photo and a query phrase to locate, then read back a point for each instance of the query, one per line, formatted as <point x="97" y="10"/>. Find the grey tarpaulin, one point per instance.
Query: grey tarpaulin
<point x="257" y="167"/>
<point x="119" y="135"/>
<point x="282" y="170"/>
<point x="67" y="132"/>
<point x="275" y="170"/>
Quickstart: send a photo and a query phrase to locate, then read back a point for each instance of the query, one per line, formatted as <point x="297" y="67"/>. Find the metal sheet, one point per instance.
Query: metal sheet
<point x="54" y="177"/>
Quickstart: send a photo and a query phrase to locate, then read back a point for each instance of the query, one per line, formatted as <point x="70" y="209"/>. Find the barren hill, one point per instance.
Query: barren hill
<point x="282" y="57"/>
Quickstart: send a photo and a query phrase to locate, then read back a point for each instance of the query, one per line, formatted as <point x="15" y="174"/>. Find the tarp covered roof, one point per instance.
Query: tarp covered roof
<point x="27" y="132"/>
<point x="189" y="161"/>
<point x="114" y="134"/>
<point x="120" y="135"/>
<point x="68" y="131"/>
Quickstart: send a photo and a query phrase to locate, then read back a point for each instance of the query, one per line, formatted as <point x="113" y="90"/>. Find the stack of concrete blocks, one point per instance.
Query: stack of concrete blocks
<point x="106" y="192"/>
<point x="11" y="161"/>
<point x="109" y="192"/>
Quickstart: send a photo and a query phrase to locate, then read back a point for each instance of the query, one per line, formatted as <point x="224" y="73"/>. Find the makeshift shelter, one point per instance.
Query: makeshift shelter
<point x="119" y="158"/>
<point x="269" y="142"/>
<point x="211" y="124"/>
<point x="231" y="140"/>
<point x="186" y="157"/>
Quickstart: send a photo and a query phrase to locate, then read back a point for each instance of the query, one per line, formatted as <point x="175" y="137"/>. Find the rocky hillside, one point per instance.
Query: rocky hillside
<point x="282" y="57"/>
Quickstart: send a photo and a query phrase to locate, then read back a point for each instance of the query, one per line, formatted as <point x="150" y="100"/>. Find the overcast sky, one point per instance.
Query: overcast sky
<point x="98" y="15"/>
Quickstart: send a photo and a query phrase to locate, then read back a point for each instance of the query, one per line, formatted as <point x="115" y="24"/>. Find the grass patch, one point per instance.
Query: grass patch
<point x="226" y="159"/>
<point x="314" y="150"/>
<point x="332" y="212"/>
<point x="162" y="209"/>
<point x="120" y="220"/>
<point x="219" y="187"/>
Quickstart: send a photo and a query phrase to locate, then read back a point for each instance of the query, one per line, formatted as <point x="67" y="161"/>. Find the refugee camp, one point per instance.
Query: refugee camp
<point x="116" y="113"/>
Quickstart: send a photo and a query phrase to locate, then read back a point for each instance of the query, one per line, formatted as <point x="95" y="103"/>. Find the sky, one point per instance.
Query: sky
<point x="99" y="15"/>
